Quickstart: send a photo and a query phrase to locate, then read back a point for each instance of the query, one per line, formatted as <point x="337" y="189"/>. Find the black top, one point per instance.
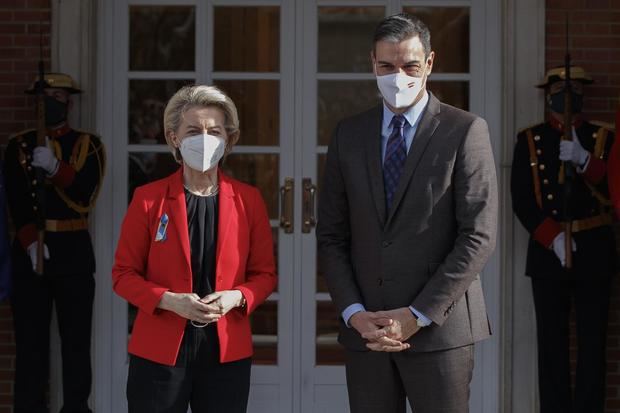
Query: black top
<point x="202" y="226"/>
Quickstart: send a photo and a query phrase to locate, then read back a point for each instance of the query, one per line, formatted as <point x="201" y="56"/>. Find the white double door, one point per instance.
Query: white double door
<point x="294" y="68"/>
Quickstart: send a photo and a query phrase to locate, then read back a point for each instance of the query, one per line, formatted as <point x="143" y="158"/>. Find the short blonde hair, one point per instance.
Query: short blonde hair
<point x="201" y="96"/>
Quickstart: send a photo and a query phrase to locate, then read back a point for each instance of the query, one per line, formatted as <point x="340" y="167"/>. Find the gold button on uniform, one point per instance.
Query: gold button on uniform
<point x="594" y="135"/>
<point x="550" y="197"/>
<point x="554" y="212"/>
<point x="541" y="167"/>
<point x="537" y="137"/>
<point x="546" y="181"/>
<point x="538" y="152"/>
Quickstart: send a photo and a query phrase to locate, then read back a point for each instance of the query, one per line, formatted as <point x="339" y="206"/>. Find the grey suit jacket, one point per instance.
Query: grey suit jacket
<point x="428" y="250"/>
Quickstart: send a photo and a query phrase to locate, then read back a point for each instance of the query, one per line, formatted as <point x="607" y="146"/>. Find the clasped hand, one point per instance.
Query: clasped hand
<point x="43" y="157"/>
<point x="207" y="309"/>
<point x="386" y="330"/>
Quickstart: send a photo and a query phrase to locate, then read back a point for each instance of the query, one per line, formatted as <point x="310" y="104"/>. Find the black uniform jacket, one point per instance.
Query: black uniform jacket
<point x="69" y="196"/>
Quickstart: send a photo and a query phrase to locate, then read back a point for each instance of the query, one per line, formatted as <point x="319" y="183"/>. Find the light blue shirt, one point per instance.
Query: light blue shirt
<point x="348" y="312"/>
<point x="412" y="116"/>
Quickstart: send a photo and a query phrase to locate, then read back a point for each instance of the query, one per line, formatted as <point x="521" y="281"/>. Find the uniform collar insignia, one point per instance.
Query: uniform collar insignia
<point x="55" y="133"/>
<point x="556" y="124"/>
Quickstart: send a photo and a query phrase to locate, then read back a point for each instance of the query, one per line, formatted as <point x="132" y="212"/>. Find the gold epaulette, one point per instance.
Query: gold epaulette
<point x="86" y="132"/>
<point x="530" y="127"/>
<point x="98" y="145"/>
<point x="81" y="150"/>
<point x="606" y="125"/>
<point x="21" y="133"/>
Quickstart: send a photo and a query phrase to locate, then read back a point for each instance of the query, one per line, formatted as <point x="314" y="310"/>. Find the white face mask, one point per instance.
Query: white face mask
<point x="399" y="89"/>
<point x="202" y="152"/>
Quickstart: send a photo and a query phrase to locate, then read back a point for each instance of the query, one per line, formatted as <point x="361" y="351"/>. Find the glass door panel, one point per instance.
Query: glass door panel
<point x="344" y="86"/>
<point x="259" y="170"/>
<point x="339" y="83"/>
<point x="338" y="99"/>
<point x="455" y="93"/>
<point x="249" y="72"/>
<point x="162" y="37"/>
<point x="345" y="38"/>
<point x="328" y="350"/>
<point x="264" y="323"/>
<point x="450" y="33"/>
<point x="258" y="104"/>
<point x="252" y="36"/>
<point x="321" y="283"/>
<point x="147" y="101"/>
<point x="449" y="27"/>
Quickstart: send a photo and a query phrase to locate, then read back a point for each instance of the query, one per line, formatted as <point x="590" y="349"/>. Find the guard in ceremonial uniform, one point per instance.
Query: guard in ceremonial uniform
<point x="538" y="201"/>
<point x="73" y="162"/>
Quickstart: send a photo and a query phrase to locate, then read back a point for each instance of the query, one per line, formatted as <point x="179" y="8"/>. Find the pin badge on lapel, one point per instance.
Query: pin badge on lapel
<point x="161" y="229"/>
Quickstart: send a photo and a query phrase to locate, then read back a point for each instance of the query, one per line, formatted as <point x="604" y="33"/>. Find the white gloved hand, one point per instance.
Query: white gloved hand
<point x="43" y="157"/>
<point x="573" y="151"/>
<point x="559" y="248"/>
<point x="32" y="252"/>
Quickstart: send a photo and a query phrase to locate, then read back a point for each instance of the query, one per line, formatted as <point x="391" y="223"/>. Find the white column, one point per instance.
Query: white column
<point x="74" y="52"/>
<point x="524" y="64"/>
<point x="73" y="26"/>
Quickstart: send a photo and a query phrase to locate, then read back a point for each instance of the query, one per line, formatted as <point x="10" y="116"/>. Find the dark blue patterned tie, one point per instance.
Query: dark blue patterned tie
<point x="395" y="156"/>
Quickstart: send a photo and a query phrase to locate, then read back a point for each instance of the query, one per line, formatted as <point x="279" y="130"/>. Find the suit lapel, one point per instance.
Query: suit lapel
<point x="426" y="128"/>
<point x="226" y="211"/>
<point x="373" y="160"/>
<point x="178" y="214"/>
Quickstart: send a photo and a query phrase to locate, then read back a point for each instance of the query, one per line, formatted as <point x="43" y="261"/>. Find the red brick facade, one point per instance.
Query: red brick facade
<point x="21" y="22"/>
<point x="595" y="45"/>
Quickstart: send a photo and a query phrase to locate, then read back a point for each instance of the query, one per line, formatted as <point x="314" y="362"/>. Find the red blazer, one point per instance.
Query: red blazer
<point x="144" y="268"/>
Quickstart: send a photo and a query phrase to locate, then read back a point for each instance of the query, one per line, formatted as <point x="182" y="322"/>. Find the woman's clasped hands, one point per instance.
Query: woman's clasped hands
<point x="202" y="311"/>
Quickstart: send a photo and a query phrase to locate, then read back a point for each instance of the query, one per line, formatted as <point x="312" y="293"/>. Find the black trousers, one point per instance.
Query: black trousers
<point x="198" y="379"/>
<point x="31" y="302"/>
<point x="552" y="300"/>
<point x="433" y="382"/>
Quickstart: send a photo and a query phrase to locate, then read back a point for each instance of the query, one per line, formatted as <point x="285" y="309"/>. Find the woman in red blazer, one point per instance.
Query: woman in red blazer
<point x="195" y="256"/>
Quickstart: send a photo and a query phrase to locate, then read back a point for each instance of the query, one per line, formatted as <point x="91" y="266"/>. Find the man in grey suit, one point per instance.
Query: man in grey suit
<point x="407" y="221"/>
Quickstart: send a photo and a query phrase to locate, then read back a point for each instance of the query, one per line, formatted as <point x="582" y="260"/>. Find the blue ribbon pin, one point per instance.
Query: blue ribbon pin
<point x="161" y="229"/>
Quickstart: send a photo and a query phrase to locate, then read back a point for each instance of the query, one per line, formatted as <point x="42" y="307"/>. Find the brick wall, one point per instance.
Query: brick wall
<point x="595" y="45"/>
<point x="19" y="54"/>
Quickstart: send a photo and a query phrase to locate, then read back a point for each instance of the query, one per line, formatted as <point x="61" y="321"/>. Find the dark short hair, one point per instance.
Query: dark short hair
<point x="403" y="26"/>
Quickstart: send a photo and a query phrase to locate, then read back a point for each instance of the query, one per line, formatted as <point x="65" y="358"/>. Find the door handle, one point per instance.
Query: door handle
<point x="287" y="192"/>
<point x="309" y="205"/>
